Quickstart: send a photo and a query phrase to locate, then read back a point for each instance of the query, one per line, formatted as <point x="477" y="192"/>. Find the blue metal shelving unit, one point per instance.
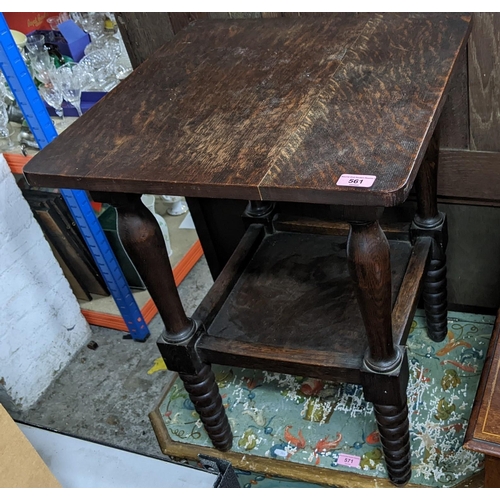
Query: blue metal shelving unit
<point x="40" y="123"/>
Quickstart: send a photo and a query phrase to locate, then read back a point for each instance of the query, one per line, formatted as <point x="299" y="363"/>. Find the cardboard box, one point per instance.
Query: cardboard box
<point x="26" y="22"/>
<point x="20" y="465"/>
<point x="71" y="40"/>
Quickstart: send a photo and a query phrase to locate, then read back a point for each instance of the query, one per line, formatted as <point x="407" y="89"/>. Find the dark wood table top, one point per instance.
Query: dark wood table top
<point x="273" y="109"/>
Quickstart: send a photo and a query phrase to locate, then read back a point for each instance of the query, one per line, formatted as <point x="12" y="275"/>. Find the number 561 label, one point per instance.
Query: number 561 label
<point x="361" y="181"/>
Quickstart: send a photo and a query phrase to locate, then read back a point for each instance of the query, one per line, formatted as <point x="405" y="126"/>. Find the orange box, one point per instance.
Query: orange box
<point x="26" y="22"/>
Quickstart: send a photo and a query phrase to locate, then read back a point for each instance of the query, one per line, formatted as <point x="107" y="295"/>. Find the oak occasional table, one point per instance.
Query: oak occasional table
<point x="336" y="111"/>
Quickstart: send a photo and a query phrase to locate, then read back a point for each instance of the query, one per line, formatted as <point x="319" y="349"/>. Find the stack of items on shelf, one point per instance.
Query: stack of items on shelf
<point x="74" y="64"/>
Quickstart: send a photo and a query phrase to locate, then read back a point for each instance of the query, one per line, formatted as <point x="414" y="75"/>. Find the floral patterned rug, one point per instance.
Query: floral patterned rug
<point x="330" y="426"/>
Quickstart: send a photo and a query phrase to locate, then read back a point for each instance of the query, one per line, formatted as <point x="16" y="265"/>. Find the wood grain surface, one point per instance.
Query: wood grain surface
<point x="484" y="78"/>
<point x="473" y="175"/>
<point x="453" y="123"/>
<point x="274" y="108"/>
<point x="152" y="29"/>
<point x="179" y="20"/>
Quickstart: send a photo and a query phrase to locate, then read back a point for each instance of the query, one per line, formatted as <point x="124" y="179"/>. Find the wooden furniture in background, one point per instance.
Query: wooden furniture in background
<point x="68" y="245"/>
<point x="483" y="432"/>
<point x="291" y="110"/>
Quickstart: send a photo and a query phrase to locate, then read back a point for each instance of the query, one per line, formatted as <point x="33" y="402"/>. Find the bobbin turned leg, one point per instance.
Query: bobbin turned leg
<point x="387" y="392"/>
<point x="144" y="243"/>
<point x="430" y="222"/>
<point x="385" y="370"/>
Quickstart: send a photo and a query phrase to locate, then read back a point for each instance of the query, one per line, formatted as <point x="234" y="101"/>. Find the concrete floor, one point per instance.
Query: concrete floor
<point x="106" y="394"/>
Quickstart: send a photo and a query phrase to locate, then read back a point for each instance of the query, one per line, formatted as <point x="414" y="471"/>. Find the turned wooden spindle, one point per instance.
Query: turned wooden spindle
<point x="394" y="430"/>
<point x="428" y="220"/>
<point x="368" y="256"/>
<point x="385" y="374"/>
<point x="143" y="240"/>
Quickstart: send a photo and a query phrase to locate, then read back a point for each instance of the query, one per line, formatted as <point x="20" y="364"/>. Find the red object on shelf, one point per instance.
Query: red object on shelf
<point x="25" y="22"/>
<point x="97" y="206"/>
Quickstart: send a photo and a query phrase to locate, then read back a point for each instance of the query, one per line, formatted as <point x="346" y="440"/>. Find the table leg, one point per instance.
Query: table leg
<point x="429" y="221"/>
<point x="259" y="212"/>
<point x="385" y="372"/>
<point x="142" y="238"/>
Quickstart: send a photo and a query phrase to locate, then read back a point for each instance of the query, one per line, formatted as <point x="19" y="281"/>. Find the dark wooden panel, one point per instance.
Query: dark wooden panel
<point x="472" y="175"/>
<point x="484" y="82"/>
<point x="218" y="15"/>
<point x="320" y="364"/>
<point x="220" y="228"/>
<point x="143" y="33"/>
<point x="179" y="20"/>
<point x="78" y="290"/>
<point x="454" y="121"/>
<point x="235" y="15"/>
<point x="72" y="256"/>
<point x="473" y="256"/>
<point x="244" y="15"/>
<point x="290" y="223"/>
<point x="59" y="228"/>
<point x="492" y="472"/>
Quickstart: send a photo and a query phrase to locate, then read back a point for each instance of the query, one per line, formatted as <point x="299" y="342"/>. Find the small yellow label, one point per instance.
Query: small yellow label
<point x="158" y="366"/>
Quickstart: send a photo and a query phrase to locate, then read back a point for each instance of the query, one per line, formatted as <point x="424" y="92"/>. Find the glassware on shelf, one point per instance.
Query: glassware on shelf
<point x="42" y="56"/>
<point x="35" y="43"/>
<point x="63" y="16"/>
<point x="108" y="42"/>
<point x="67" y="78"/>
<point x="93" y="24"/>
<point x="98" y="67"/>
<point x="122" y="71"/>
<point x="77" y="18"/>
<point x="54" y="98"/>
<point x="5" y="91"/>
<point x="54" y="22"/>
<point x="42" y="66"/>
<point x="6" y="131"/>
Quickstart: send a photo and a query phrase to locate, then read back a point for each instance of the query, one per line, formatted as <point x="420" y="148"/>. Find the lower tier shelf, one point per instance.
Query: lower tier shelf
<point x="286" y="302"/>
